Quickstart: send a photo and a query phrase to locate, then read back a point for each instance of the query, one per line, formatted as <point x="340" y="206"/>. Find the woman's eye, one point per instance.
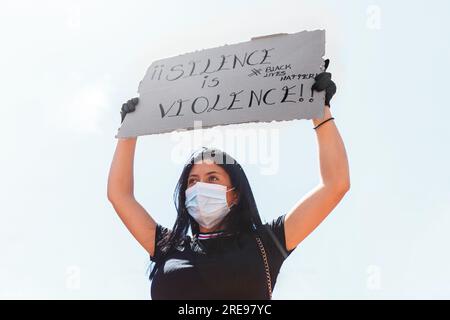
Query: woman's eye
<point x="213" y="178"/>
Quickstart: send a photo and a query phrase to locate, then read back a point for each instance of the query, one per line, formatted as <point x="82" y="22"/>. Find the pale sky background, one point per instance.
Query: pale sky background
<point x="66" y="67"/>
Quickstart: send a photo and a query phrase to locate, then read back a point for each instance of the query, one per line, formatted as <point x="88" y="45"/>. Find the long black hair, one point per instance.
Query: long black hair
<point x="243" y="217"/>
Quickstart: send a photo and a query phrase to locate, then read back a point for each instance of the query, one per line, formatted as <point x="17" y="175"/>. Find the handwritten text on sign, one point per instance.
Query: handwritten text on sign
<point x="262" y="80"/>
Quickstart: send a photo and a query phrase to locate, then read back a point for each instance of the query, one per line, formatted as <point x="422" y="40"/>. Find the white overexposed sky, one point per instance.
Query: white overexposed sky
<point x="66" y="67"/>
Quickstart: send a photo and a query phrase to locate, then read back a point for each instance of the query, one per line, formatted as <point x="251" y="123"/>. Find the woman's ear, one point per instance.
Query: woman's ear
<point x="236" y="197"/>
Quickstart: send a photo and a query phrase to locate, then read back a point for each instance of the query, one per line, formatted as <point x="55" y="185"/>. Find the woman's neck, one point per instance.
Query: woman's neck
<point x="219" y="227"/>
<point x="206" y="230"/>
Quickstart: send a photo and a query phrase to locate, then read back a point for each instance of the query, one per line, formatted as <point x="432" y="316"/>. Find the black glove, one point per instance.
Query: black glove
<point x="127" y="107"/>
<point x="324" y="82"/>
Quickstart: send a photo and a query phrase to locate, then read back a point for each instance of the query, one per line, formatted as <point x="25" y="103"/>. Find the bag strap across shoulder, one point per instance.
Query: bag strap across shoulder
<point x="266" y="266"/>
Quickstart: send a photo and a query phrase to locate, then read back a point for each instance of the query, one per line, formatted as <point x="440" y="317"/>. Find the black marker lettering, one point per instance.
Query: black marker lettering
<point x="223" y="62"/>
<point x="265" y="96"/>
<point x="266" y="55"/>
<point x="248" y="59"/>
<point x="195" y="101"/>
<point x="174" y="69"/>
<point x="206" y="67"/>
<point x="215" y="104"/>
<point x="258" y="99"/>
<point x="286" y="93"/>
<point x="155" y="69"/>
<point x="193" y="68"/>
<point x="215" y="81"/>
<point x="234" y="94"/>
<point x="242" y="63"/>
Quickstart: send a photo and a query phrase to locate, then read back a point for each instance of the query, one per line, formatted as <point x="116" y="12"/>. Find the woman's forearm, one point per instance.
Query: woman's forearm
<point x="120" y="179"/>
<point x="334" y="168"/>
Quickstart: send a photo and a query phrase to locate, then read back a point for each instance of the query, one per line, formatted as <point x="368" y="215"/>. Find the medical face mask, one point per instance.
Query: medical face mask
<point x="207" y="203"/>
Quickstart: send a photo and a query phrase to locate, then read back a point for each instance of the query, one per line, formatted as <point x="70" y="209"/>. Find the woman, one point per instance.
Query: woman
<point x="231" y="253"/>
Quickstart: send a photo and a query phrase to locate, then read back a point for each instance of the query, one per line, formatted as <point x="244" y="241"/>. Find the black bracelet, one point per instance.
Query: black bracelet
<point x="322" y="123"/>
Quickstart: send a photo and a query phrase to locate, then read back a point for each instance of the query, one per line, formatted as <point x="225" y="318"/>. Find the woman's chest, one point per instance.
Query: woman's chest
<point x="230" y="272"/>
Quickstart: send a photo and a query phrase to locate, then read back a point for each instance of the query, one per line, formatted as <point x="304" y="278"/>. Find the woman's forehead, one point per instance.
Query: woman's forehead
<point x="206" y="166"/>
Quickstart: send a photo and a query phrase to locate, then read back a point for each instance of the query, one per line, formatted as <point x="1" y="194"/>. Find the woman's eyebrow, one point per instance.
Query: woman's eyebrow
<point x="196" y="175"/>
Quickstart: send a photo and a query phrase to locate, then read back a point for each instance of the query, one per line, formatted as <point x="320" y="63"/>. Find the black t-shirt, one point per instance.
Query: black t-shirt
<point x="225" y="267"/>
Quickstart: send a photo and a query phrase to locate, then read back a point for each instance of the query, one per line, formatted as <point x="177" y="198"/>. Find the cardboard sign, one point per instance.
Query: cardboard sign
<point x="265" y="79"/>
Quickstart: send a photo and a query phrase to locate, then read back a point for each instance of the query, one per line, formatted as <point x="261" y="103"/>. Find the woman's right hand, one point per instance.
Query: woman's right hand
<point x="127" y="107"/>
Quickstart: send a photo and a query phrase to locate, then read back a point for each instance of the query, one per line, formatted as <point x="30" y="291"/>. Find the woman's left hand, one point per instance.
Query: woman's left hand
<point x="323" y="82"/>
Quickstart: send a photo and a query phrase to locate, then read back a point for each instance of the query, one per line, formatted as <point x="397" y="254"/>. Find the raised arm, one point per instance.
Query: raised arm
<point x="334" y="183"/>
<point x="121" y="195"/>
